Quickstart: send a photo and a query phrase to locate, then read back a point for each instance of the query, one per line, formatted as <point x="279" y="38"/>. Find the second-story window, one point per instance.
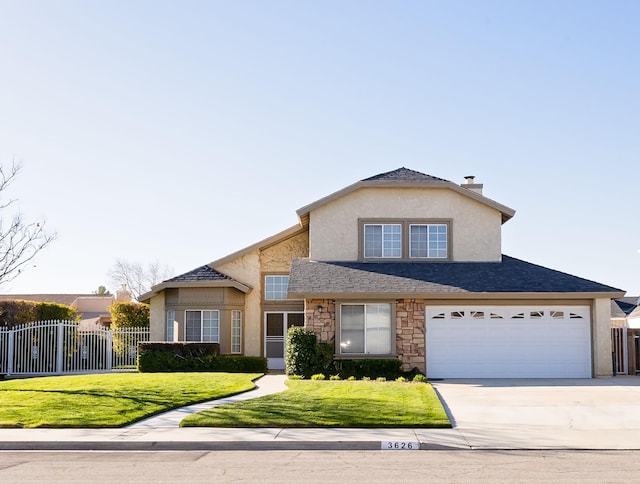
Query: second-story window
<point x="413" y="239"/>
<point x="428" y="241"/>
<point x="275" y="287"/>
<point x="383" y="241"/>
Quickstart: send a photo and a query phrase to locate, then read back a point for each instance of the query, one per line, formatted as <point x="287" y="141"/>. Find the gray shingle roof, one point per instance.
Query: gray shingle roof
<point x="203" y="273"/>
<point x="509" y="276"/>
<point x="404" y="174"/>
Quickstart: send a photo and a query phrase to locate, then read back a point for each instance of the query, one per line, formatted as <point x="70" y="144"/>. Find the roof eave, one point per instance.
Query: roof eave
<point x="146" y="297"/>
<point x="462" y="294"/>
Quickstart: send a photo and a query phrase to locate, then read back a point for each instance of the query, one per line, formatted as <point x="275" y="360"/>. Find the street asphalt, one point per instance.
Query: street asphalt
<point x="597" y="414"/>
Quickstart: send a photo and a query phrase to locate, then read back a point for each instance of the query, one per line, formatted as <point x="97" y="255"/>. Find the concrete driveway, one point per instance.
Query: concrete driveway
<point x="545" y="413"/>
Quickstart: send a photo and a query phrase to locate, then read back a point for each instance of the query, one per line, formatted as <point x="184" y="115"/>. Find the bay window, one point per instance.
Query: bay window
<point x="202" y="325"/>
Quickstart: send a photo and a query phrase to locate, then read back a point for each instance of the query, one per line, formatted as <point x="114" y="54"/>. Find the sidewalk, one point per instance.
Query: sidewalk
<point x="162" y="432"/>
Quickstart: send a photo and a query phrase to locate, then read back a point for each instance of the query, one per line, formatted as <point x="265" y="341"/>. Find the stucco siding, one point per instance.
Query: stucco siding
<point x="246" y="269"/>
<point x="333" y="228"/>
<point x="157" y="317"/>
<point x="601" y="321"/>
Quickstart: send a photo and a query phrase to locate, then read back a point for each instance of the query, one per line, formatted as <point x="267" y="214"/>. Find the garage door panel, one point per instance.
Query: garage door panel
<point x="506" y="347"/>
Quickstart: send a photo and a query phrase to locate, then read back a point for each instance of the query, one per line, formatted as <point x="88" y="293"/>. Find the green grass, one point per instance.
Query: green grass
<point x="109" y="400"/>
<point x="355" y="404"/>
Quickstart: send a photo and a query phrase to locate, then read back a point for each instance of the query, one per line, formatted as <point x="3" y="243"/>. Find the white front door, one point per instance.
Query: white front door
<point x="508" y="342"/>
<point x="276" y="324"/>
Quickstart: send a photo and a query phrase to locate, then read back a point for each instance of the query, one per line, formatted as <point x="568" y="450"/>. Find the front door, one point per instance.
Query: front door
<point x="275" y="335"/>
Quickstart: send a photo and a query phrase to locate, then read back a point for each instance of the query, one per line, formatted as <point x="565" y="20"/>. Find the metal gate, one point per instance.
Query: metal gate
<point x="62" y="347"/>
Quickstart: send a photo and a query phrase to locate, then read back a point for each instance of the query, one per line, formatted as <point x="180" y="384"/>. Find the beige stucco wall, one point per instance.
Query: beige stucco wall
<point x="601" y="334"/>
<point x="157" y="318"/>
<point x="250" y="269"/>
<point x="246" y="269"/>
<point x="476" y="228"/>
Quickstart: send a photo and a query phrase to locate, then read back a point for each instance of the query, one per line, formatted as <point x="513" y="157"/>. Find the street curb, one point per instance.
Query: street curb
<point x="204" y="446"/>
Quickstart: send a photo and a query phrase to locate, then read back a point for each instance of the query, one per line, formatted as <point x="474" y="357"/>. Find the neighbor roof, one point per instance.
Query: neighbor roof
<point x="203" y="276"/>
<point x="622" y="307"/>
<point x="404" y="178"/>
<point x="66" y="299"/>
<point x="455" y="279"/>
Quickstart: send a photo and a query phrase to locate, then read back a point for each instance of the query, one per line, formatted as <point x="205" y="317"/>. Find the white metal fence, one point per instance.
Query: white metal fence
<point x="60" y="347"/>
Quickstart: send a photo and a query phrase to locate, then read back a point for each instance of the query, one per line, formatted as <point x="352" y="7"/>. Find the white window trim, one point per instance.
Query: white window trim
<point x="391" y="329"/>
<point x="170" y="317"/>
<point x="429" y="257"/>
<point x="236" y="346"/>
<point x="266" y="298"/>
<point x="202" y="311"/>
<point x="382" y="255"/>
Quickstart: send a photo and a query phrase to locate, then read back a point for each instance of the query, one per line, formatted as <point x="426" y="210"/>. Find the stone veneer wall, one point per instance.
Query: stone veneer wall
<point x="410" y="342"/>
<point x="410" y="324"/>
<point x="321" y="321"/>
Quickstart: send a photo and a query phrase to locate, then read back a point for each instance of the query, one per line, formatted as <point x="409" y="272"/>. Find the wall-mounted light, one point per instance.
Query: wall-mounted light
<point x="320" y="307"/>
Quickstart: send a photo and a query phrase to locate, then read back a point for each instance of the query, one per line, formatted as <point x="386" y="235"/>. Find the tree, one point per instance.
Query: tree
<point x="136" y="278"/>
<point x="20" y="241"/>
<point x="102" y="291"/>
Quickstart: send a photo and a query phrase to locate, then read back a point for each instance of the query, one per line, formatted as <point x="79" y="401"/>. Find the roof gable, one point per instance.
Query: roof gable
<point x="202" y="273"/>
<point x="203" y="276"/>
<point x="404" y="178"/>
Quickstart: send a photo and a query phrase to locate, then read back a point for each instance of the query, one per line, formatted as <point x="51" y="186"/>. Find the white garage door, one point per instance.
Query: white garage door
<point x="508" y="342"/>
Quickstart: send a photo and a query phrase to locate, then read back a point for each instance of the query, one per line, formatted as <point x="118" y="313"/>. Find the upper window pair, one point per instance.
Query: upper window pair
<point x="406" y="240"/>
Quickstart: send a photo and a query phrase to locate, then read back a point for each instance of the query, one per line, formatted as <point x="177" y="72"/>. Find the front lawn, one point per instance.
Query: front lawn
<point x="109" y="400"/>
<point x="356" y="404"/>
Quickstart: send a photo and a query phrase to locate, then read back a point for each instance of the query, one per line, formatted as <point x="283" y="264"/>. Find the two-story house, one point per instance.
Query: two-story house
<point x="400" y="265"/>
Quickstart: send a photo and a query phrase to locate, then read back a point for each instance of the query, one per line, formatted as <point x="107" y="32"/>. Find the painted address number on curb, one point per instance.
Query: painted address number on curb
<point x="400" y="445"/>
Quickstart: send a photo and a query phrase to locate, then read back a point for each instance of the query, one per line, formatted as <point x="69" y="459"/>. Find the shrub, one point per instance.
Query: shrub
<point x="16" y="312"/>
<point x="296" y="377"/>
<point x="372" y="368"/>
<point x="419" y="378"/>
<point x="381" y="378"/>
<point x="335" y="377"/>
<point x="318" y="376"/>
<point x="401" y="379"/>
<point x="129" y="315"/>
<point x="351" y="378"/>
<point x="365" y="378"/>
<point x="301" y="356"/>
<point x="180" y="356"/>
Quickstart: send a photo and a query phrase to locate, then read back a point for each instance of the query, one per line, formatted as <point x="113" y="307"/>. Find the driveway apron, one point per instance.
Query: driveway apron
<point x="545" y="413"/>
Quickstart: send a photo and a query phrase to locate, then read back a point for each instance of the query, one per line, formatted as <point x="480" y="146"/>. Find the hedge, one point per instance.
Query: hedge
<point x="16" y="312"/>
<point x="388" y="368"/>
<point x="156" y="357"/>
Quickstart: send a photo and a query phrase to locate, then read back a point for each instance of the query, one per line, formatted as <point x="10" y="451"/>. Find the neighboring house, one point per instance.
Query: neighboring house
<point x="625" y="335"/>
<point x="400" y="265"/>
<point x="93" y="309"/>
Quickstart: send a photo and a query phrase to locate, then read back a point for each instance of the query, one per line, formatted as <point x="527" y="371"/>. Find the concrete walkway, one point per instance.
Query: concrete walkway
<point x="265" y="385"/>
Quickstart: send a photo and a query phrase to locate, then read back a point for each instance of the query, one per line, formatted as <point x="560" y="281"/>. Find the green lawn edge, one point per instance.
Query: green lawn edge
<point x="332" y="404"/>
<point x="110" y="400"/>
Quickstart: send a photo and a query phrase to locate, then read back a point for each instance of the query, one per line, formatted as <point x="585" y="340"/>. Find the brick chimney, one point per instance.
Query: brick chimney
<point x="470" y="184"/>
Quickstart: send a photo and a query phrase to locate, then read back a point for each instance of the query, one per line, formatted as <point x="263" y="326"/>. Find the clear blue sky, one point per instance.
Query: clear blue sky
<point x="182" y="131"/>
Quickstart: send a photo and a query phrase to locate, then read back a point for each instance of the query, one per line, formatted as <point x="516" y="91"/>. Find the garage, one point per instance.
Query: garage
<point x="508" y="342"/>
